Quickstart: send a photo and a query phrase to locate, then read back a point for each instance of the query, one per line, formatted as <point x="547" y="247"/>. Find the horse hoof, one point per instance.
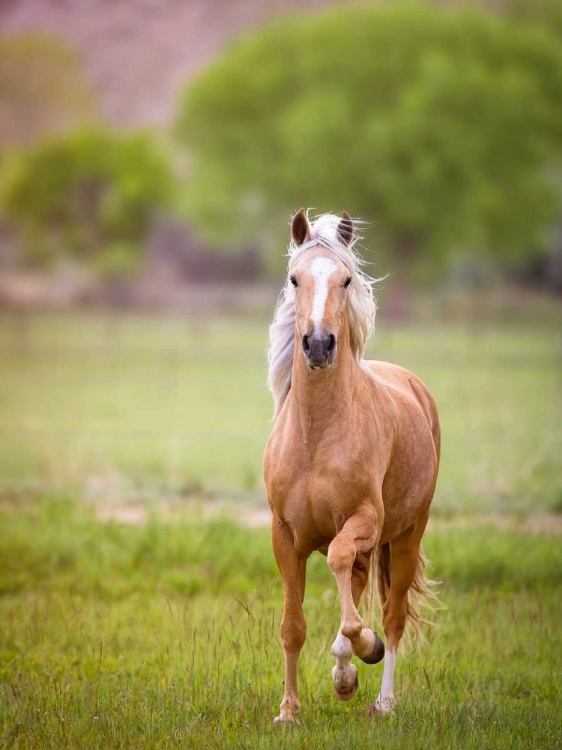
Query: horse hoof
<point x="282" y="721"/>
<point x="377" y="652"/>
<point x="383" y="706"/>
<point x="346" y="689"/>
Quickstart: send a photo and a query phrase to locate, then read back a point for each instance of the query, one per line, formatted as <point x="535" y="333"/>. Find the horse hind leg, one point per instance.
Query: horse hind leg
<point x="404" y="562"/>
<point x="348" y="558"/>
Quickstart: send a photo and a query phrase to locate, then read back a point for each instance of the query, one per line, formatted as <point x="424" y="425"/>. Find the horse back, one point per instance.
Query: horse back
<point x="399" y="380"/>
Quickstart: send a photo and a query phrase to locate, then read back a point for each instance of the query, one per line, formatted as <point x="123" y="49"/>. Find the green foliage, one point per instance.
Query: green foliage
<point x="440" y="124"/>
<point x="89" y="195"/>
<point x="548" y="13"/>
<point x="42" y="88"/>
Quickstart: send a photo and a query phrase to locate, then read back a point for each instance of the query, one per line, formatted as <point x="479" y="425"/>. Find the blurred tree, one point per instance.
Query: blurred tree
<point x="543" y="268"/>
<point x="439" y="123"/>
<point x="88" y="196"/>
<point x="42" y="88"/>
<point x="545" y="12"/>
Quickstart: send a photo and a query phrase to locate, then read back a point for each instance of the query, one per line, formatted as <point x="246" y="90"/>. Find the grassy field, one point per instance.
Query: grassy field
<point x="117" y="406"/>
<point x="163" y="631"/>
<point x="165" y="635"/>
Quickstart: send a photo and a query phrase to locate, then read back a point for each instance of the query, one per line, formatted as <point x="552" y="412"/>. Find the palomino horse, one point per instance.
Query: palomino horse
<point x="352" y="461"/>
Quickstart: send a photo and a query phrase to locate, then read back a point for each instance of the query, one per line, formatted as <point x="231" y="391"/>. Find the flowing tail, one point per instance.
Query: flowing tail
<point x="422" y="596"/>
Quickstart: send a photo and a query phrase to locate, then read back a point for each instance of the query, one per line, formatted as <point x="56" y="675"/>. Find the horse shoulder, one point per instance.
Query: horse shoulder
<point x="282" y="462"/>
<point x="404" y="386"/>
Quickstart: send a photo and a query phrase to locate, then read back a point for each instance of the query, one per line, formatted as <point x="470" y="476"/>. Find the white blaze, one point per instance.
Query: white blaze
<point x="322" y="269"/>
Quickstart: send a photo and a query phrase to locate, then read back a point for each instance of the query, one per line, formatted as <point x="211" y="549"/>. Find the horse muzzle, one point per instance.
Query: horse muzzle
<point x="319" y="350"/>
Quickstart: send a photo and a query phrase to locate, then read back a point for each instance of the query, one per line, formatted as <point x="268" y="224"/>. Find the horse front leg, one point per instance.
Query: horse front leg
<point x="293" y="625"/>
<point x="344" y="674"/>
<point x="348" y="558"/>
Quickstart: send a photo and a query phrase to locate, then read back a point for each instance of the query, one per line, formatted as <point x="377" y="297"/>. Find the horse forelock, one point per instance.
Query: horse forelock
<point x="361" y="306"/>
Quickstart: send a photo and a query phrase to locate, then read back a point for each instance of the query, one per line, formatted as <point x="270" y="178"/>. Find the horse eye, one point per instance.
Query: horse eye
<point x="347" y="282"/>
<point x="293" y="281"/>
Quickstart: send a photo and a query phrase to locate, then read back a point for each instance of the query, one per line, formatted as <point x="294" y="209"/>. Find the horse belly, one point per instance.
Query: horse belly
<point x="408" y="487"/>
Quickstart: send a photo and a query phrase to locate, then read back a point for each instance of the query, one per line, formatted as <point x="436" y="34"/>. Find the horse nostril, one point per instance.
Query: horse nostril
<point x="306" y="345"/>
<point x="331" y="343"/>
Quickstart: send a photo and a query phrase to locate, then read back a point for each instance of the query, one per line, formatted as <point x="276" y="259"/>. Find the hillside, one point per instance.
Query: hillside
<point x="139" y="53"/>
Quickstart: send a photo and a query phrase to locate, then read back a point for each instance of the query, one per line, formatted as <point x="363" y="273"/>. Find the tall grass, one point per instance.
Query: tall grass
<point x="165" y="634"/>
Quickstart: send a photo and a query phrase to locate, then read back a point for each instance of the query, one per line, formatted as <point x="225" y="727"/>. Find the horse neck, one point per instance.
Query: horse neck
<point x="318" y="398"/>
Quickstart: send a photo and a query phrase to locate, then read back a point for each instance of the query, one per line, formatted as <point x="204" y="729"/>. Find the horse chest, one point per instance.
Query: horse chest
<point x="314" y="492"/>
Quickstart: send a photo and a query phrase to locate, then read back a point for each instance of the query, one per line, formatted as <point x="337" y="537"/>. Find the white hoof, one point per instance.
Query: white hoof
<point x="384" y="705"/>
<point x="287" y="714"/>
<point x="283" y="720"/>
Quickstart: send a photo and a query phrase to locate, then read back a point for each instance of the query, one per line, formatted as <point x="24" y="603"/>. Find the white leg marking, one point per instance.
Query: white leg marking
<point x="384" y="705"/>
<point x="341" y="648"/>
<point x="344" y="674"/>
<point x="322" y="269"/>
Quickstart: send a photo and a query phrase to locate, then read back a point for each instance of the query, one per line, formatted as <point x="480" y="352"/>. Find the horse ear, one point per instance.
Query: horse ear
<point x="300" y="229"/>
<point x="345" y="228"/>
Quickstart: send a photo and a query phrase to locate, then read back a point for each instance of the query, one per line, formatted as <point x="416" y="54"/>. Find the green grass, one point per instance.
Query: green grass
<point x="129" y="406"/>
<point x="165" y="634"/>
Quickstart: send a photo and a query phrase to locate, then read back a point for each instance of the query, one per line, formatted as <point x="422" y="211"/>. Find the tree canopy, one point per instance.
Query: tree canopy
<point x="89" y="195"/>
<point x="440" y="125"/>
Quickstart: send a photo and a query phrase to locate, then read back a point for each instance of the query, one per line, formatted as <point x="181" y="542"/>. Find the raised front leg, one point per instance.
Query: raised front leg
<point x="348" y="557"/>
<point x="344" y="674"/>
<point x="293" y="625"/>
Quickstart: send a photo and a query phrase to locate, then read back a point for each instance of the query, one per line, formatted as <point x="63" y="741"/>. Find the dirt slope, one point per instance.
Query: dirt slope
<point x="140" y="53"/>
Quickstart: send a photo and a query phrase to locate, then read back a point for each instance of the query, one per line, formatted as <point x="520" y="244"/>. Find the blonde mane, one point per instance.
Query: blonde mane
<point x="361" y="306"/>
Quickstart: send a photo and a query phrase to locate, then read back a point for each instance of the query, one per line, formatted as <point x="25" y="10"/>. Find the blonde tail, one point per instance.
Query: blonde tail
<point x="422" y="595"/>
